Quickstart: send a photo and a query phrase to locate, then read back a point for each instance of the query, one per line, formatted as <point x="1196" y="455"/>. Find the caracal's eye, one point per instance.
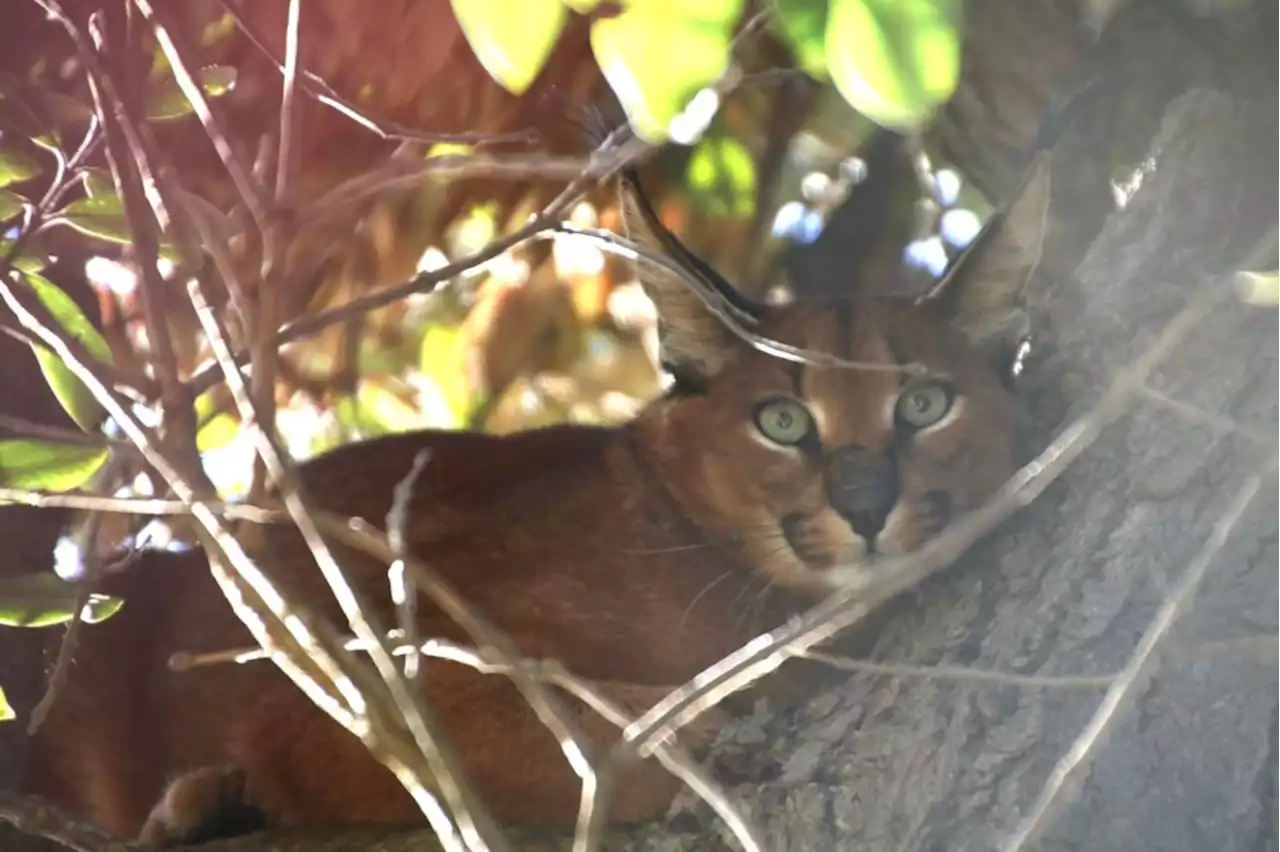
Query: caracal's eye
<point x="923" y="403"/>
<point x="784" y="421"/>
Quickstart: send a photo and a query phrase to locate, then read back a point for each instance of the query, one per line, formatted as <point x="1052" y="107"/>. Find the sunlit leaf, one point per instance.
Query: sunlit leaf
<point x="10" y="204"/>
<point x="17" y="166"/>
<point x="220" y="431"/>
<point x="658" y="53"/>
<point x="511" y="38"/>
<point x="582" y="7"/>
<point x="168" y="101"/>
<point x="75" y="398"/>
<point x="447" y="149"/>
<point x="722" y="177"/>
<point x="804" y="25"/>
<point x="6" y="709"/>
<point x="894" y="61"/>
<point x="46" y="466"/>
<point x="45" y="599"/>
<point x="1259" y="288"/>
<point x="218" y="30"/>
<point x="447" y="396"/>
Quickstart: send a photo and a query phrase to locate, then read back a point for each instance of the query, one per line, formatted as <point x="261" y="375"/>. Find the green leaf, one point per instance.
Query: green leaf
<point x="17" y="166"/>
<point x="100" y="216"/>
<point x="804" y="25"/>
<point x="24" y="262"/>
<point x="46" y="466"/>
<point x="11" y="204"/>
<point x="6" y="709"/>
<point x="894" y="61"/>
<point x="657" y="54"/>
<point x="722" y="177"/>
<point x="45" y="599"/>
<point x="75" y="398"/>
<point x="220" y="431"/>
<point x="511" y="38"/>
<point x="168" y="102"/>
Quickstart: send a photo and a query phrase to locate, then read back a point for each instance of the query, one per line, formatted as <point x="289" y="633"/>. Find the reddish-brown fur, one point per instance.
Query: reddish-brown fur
<point x="637" y="555"/>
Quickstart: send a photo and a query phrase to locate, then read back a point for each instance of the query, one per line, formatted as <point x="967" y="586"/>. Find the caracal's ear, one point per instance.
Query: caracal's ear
<point x="692" y="306"/>
<point x="982" y="291"/>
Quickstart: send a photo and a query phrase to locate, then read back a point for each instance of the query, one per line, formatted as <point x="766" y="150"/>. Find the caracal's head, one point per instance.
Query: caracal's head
<point x="807" y="469"/>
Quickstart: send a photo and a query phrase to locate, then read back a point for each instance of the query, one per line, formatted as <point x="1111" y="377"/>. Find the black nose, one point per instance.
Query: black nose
<point x="862" y="485"/>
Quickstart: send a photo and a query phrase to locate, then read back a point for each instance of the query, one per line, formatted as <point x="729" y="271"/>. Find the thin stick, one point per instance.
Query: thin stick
<point x="474" y="824"/>
<point x="403" y="595"/>
<point x="962" y="674"/>
<point x="288" y="95"/>
<point x="88" y="502"/>
<point x="315" y="86"/>
<point x="672" y="756"/>
<point x="250" y="194"/>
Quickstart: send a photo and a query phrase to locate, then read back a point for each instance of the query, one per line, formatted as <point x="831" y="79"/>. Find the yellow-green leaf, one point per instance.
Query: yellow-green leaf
<point x="1259" y="288"/>
<point x="11" y="204"/>
<point x="75" y="398"/>
<point x="24" y="262"/>
<point x="17" y="166"/>
<point x="6" y="709"/>
<point x="658" y="54"/>
<point x="45" y="599"/>
<point x="168" y="101"/>
<point x="220" y="431"/>
<point x="511" y="38"/>
<point x="895" y="61"/>
<point x="722" y="177"/>
<point x="100" y="216"/>
<point x="46" y="466"/>
<point x="582" y="7"/>
<point x="804" y="25"/>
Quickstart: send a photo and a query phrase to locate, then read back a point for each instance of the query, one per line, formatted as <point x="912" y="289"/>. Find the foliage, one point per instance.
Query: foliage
<point x="895" y="61"/>
<point x="45" y="600"/>
<point x="48" y="466"/>
<point x="75" y="398"/>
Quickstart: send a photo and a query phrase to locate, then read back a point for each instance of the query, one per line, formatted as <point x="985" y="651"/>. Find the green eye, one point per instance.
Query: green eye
<point x="784" y="421"/>
<point x="924" y="403"/>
